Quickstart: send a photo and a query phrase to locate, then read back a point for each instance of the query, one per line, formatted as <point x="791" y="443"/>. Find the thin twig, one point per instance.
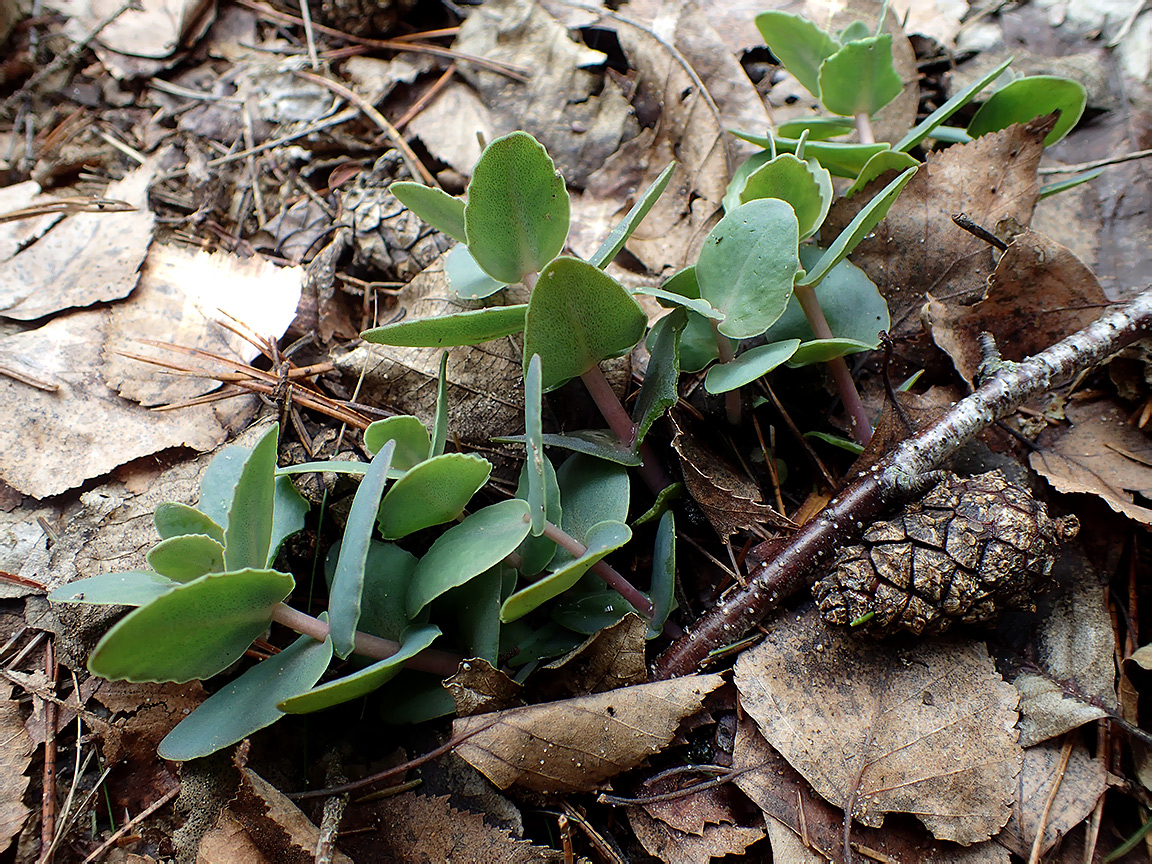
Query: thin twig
<point x="1042" y="824"/>
<point x="48" y="790"/>
<point x="1096" y="163"/>
<point x="896" y="477"/>
<point x="132" y="823"/>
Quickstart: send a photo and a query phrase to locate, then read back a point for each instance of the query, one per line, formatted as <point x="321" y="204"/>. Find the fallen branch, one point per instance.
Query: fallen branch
<point x="895" y="477"/>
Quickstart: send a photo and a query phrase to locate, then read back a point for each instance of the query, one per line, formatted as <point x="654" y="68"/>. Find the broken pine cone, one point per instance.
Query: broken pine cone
<point x="967" y="551"/>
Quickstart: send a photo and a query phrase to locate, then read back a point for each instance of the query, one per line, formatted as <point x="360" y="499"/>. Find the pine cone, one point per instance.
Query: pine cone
<point x="969" y="549"/>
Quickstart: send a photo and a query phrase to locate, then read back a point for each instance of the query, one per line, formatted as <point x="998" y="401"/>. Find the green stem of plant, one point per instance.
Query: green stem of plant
<point x="732" y="403"/>
<point x="857" y="416"/>
<point x="442" y="663"/>
<point x="864" y="128"/>
<point x="612" y="578"/>
<point x="621" y="424"/>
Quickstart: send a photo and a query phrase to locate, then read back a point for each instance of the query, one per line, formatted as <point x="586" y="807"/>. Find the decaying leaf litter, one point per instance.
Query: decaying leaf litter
<point x="172" y="119"/>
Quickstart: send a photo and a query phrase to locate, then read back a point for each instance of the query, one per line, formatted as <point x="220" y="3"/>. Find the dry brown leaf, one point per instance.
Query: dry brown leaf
<point x="154" y="29"/>
<point x="17" y="234"/>
<point x="419" y="828"/>
<point x="227" y="842"/>
<point x="783" y="795"/>
<point x="577" y="744"/>
<point x="142" y="714"/>
<point x="1100" y="455"/>
<point x="485" y="398"/>
<point x="917" y="248"/>
<point x="479" y="687"/>
<point x="452" y="125"/>
<point x="277" y="826"/>
<point x="926" y="729"/>
<point x="674" y="846"/>
<point x="578" y="116"/>
<point x="1075" y="646"/>
<point x="85" y="425"/>
<point x="85" y="259"/>
<point x="1081" y="785"/>
<point x="15" y="756"/>
<point x="606" y="660"/>
<point x="729" y="499"/>
<point x="180" y="294"/>
<point x="1039" y="293"/>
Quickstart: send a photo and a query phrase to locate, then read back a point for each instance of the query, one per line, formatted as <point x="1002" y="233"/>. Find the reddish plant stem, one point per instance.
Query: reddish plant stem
<point x="857" y="417"/>
<point x="732" y="404"/>
<point x="612" y="577"/>
<point x="621" y="424"/>
<point x="442" y="663"/>
<point x="895" y="477"/>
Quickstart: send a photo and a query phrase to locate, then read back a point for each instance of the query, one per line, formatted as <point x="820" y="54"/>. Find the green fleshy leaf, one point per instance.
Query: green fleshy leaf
<point x="591" y="613"/>
<point x="823" y="350"/>
<point x="218" y="483"/>
<point x="388" y="571"/>
<point x="841" y="159"/>
<point x="336" y="466"/>
<point x="603" y="538"/>
<point x="175" y="520"/>
<point x="577" y="316"/>
<point x="434" y="492"/>
<point x="288" y="512"/>
<point x="185" y="558"/>
<point x="929" y="124"/>
<point x="248" y="534"/>
<point x="534" y="645"/>
<point x="474" y="610"/>
<point x="799" y="44"/>
<point x="466" y="550"/>
<point x="818" y="128"/>
<point x="1027" y="98"/>
<point x="593" y="491"/>
<point x="363" y="681"/>
<point x="130" y="588"/>
<point x="804" y="185"/>
<point x="860" y="77"/>
<point x="615" y="241"/>
<point x="748" y="366"/>
<point x="659" y="391"/>
<point x="249" y="703"/>
<point x="744" y="170"/>
<point x="852" y="305"/>
<point x="853" y="32"/>
<point x="663" y="593"/>
<point x="856" y="230"/>
<point x="466" y="278"/>
<point x="536" y="552"/>
<point x="1069" y="183"/>
<point x="697" y="344"/>
<point x="435" y="206"/>
<point x="601" y="443"/>
<point x="446" y="331"/>
<point x="410" y="435"/>
<point x="194" y="631"/>
<point x="440" y="416"/>
<point x="348" y="582"/>
<point x="534" y="446"/>
<point x="950" y="135"/>
<point x="416" y="697"/>
<point x="837" y="441"/>
<point x="517" y="213"/>
<point x="747" y="266"/>
<point x="671" y="298"/>
<point x="660" y="506"/>
<point x="887" y="160"/>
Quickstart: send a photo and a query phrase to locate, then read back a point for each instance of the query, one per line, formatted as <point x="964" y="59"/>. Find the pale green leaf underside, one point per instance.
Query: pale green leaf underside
<point x="446" y="331"/>
<point x="749" y="366"/>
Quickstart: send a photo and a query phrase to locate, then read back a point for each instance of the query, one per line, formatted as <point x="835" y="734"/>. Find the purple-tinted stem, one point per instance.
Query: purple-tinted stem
<point x="621" y="424"/>
<point x="849" y="395"/>
<point x="442" y="663"/>
<point x="612" y="578"/>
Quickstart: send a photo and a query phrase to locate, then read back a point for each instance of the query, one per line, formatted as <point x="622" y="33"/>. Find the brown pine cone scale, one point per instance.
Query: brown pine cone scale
<point x="971" y="548"/>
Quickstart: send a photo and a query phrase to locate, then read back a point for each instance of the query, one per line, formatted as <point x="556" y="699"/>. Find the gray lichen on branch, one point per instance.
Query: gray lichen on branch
<point x="893" y="479"/>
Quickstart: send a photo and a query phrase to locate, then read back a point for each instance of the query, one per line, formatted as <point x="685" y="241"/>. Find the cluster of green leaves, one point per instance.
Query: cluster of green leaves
<point x="852" y="74"/>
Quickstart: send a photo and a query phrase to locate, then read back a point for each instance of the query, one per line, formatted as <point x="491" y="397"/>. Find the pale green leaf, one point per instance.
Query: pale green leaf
<point x="445" y="331"/>
<point x="860" y="77"/>
<point x="248" y="534"/>
<point x="799" y="44"/>
<point x="173" y="520"/>
<point x="435" y="206"/>
<point x="187" y="557"/>
<point x="130" y="588"/>
<point x="432" y="493"/>
<point x="410" y="435"/>
<point x="466" y="278"/>
<point x="1027" y="98"/>
<point x="748" y="366"/>
<point x="615" y="241"/>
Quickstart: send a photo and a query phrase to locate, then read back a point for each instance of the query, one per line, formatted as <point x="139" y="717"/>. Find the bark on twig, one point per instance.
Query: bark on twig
<point x="895" y="477"/>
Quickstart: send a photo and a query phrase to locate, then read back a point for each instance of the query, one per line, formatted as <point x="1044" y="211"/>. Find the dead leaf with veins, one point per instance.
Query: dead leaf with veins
<point x="607" y="660"/>
<point x="577" y="744"/>
<point x="1081" y="783"/>
<point x="927" y="729"/>
<point x="917" y="248"/>
<point x="788" y="800"/>
<point x="674" y="846"/>
<point x="1099" y="454"/>
<point x="1024" y="320"/>
<point x="478" y="687"/>
<point x="15" y="757"/>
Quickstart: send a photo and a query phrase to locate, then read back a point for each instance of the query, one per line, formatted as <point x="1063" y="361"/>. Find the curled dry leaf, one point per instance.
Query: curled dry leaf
<point x="1081" y="784"/>
<point x="673" y="846"/>
<point x="608" y="659"/>
<point x="1100" y="454"/>
<point x="479" y="687"/>
<point x="574" y="745"/>
<point x="1075" y="646"/>
<point x="1024" y="320"/>
<point x="918" y="248"/>
<point x="925" y="729"/>
<point x="786" y="798"/>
